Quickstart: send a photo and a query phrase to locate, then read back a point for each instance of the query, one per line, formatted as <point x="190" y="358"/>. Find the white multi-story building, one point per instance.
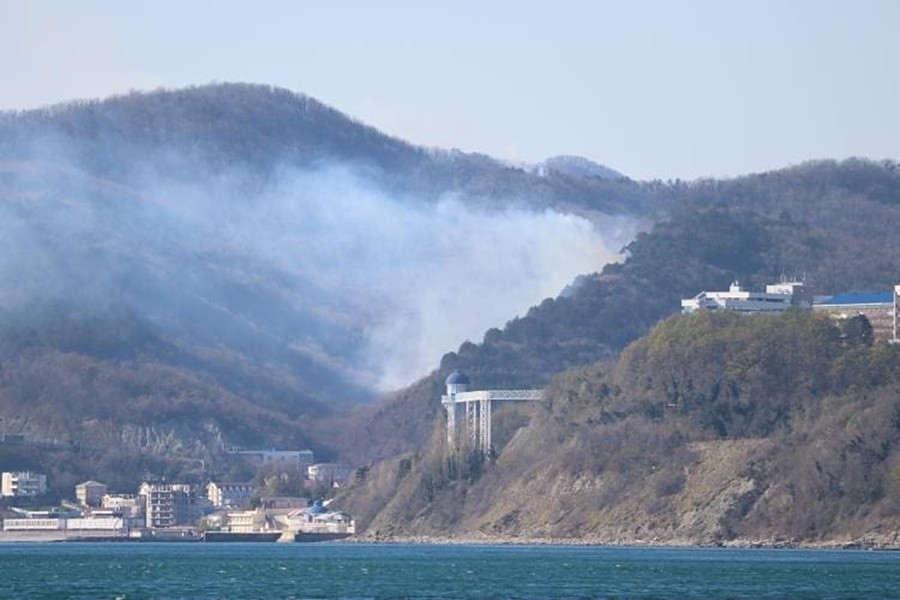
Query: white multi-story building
<point x="22" y="484"/>
<point x="236" y="495"/>
<point x="778" y="297"/>
<point x="169" y="504"/>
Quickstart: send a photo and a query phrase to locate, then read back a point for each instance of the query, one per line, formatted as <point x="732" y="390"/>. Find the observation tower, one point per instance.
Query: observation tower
<point x="469" y="413"/>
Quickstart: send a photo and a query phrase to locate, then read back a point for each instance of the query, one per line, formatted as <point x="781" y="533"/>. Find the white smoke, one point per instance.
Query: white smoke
<point x="429" y="275"/>
<point x="410" y="279"/>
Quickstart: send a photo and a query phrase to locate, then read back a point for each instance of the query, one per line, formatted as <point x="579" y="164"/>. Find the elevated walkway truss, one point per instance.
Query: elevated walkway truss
<point x="469" y="414"/>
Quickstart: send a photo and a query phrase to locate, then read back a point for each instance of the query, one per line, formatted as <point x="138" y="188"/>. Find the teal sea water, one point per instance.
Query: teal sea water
<point x="161" y="570"/>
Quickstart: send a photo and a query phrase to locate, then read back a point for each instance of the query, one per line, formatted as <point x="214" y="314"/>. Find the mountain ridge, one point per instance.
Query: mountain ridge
<point x="578" y="166"/>
<point x="207" y="228"/>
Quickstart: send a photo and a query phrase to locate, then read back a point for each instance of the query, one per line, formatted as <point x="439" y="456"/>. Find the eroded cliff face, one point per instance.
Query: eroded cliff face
<point x="659" y="505"/>
<point x="724" y="495"/>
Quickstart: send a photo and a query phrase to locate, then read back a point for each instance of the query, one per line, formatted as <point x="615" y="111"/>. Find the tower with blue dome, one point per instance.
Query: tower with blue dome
<point x="457" y="381"/>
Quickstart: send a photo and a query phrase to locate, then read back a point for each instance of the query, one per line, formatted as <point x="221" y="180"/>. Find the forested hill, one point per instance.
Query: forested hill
<point x="227" y="265"/>
<point x="270" y="225"/>
<point x="711" y="429"/>
<point x="827" y="222"/>
<point x="212" y="130"/>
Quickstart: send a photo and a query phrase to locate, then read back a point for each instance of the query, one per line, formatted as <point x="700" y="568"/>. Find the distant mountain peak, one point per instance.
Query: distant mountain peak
<point x="577" y="166"/>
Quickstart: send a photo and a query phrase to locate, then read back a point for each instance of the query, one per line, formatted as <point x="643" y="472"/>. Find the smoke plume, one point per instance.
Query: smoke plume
<point x="326" y="261"/>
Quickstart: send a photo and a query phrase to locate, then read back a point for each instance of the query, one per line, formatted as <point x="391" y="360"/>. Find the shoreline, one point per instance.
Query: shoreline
<point x="870" y="542"/>
<point x="886" y="543"/>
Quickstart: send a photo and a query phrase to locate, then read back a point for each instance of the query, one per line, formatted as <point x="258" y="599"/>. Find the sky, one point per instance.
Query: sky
<point x="655" y="89"/>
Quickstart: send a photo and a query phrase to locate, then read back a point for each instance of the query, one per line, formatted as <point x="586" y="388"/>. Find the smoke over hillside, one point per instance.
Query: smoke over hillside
<point x="410" y="279"/>
<point x="253" y="222"/>
<point x="430" y="274"/>
<point x="398" y="281"/>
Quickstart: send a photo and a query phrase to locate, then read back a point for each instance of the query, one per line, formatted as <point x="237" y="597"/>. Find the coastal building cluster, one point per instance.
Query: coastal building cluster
<point x="880" y="308"/>
<point x="215" y="511"/>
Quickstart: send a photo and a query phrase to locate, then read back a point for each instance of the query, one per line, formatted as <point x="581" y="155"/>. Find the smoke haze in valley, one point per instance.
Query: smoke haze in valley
<point x="403" y="280"/>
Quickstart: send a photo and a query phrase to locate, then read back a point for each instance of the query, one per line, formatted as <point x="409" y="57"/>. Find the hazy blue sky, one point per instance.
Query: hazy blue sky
<point x="655" y="89"/>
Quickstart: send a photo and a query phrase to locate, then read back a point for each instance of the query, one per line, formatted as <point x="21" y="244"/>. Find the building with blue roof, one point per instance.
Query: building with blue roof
<point x="859" y="299"/>
<point x="880" y="308"/>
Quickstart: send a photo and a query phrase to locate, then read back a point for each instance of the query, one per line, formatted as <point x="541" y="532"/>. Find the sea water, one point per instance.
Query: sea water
<point x="270" y="570"/>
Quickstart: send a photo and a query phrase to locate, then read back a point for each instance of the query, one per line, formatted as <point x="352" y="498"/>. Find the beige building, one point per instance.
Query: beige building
<point x="129" y="505"/>
<point x="90" y="493"/>
<point x="247" y="521"/>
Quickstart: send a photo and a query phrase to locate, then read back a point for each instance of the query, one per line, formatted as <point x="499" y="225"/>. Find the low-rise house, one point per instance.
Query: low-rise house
<point x="317" y="519"/>
<point x="217" y="520"/>
<point x="99" y="521"/>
